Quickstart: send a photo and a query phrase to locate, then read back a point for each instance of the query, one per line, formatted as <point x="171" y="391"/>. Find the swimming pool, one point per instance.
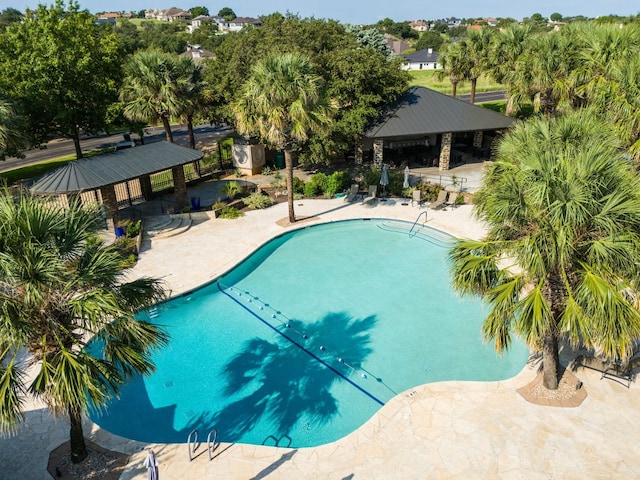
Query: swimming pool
<point x="305" y="340"/>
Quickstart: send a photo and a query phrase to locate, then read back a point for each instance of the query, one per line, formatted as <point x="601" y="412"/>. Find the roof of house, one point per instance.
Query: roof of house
<point x="422" y="111"/>
<point x="250" y="20"/>
<point x="422" y="56"/>
<point x="114" y="167"/>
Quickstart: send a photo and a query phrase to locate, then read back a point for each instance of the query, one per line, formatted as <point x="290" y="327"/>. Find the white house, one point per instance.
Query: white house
<point x="421" y="60"/>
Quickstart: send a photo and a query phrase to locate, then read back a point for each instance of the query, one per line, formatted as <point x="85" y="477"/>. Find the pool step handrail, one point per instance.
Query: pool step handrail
<point x="192" y="443"/>
<point x="212" y="444"/>
<point x="424" y="212"/>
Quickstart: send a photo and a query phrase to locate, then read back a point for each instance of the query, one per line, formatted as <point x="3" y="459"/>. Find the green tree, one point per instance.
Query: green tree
<point x="559" y="261"/>
<point x="60" y="285"/>
<point x="194" y="92"/>
<point x="227" y="13"/>
<point x="198" y="11"/>
<point x="128" y="34"/>
<point x="430" y="39"/>
<point x="282" y="102"/>
<point x="62" y="70"/>
<point x="455" y="65"/>
<point x="555" y="17"/>
<point x="152" y="89"/>
<point x="477" y="47"/>
<point x="9" y="16"/>
<point x="12" y="128"/>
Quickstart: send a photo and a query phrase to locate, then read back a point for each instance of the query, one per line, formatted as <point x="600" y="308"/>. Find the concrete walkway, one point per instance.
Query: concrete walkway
<point x="445" y="430"/>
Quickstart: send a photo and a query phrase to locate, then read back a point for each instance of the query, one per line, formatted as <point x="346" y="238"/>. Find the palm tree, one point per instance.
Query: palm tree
<point x="59" y="286"/>
<point x="477" y="47"/>
<point x="12" y="128"/>
<point x="194" y="94"/>
<point x="151" y="89"/>
<point x="559" y="261"/>
<point x="282" y="102"/>
<point x="455" y="65"/>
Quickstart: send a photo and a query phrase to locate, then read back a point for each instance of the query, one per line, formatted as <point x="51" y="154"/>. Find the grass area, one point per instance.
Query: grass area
<point x="138" y="21"/>
<point x="426" y="78"/>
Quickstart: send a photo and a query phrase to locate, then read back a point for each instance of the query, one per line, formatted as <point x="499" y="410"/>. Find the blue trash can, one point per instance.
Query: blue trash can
<point x="195" y="204"/>
<point x="121" y="232"/>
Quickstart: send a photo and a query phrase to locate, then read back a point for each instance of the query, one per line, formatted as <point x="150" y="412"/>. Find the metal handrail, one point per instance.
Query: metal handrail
<point x="212" y="444"/>
<point x="448" y="179"/>
<point x="190" y="442"/>
<point x="424" y="212"/>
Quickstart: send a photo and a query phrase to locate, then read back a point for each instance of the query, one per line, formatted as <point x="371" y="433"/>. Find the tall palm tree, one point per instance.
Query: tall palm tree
<point x="455" y="65"/>
<point x="559" y="261"/>
<point x="151" y="89"/>
<point x="477" y="46"/>
<point x="194" y="92"/>
<point x="60" y="286"/>
<point x="12" y="128"/>
<point x="282" y="102"/>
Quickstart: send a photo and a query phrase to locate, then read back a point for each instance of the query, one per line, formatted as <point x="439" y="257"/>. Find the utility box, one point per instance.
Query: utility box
<point x="249" y="159"/>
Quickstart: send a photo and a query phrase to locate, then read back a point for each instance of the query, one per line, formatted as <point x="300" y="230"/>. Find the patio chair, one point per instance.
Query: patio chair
<point x="353" y="193"/>
<point x="371" y="194"/>
<point x="440" y="201"/>
<point x="416" y="197"/>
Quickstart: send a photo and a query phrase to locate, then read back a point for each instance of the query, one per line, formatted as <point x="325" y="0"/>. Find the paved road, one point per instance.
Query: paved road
<point x="485" y="96"/>
<point x="205" y="135"/>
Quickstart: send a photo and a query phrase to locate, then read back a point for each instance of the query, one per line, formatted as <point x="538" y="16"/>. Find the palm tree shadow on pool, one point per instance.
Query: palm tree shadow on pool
<point x="289" y="382"/>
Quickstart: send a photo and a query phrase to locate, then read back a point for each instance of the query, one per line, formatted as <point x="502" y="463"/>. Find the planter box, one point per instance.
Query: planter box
<point x="238" y="204"/>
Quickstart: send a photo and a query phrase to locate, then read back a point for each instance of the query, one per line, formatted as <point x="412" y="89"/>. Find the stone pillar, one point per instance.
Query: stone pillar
<point x="378" y="152"/>
<point x="110" y="203"/>
<point x="179" y="186"/>
<point x="477" y="139"/>
<point x="145" y="187"/>
<point x="445" y="151"/>
<point x="359" y="153"/>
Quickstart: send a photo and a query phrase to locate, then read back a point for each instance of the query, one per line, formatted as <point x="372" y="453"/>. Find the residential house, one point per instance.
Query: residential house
<point x="197" y="53"/>
<point x="425" y="59"/>
<point x="419" y="25"/>
<point x="239" y="23"/>
<point x="396" y="46"/>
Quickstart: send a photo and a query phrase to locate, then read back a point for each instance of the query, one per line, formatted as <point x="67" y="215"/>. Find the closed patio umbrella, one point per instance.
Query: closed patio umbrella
<point x="405" y="184"/>
<point x="151" y="463"/>
<point x="384" y="179"/>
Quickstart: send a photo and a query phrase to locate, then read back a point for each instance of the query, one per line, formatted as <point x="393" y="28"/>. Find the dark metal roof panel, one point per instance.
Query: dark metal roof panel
<point x="422" y="111"/>
<point x="114" y="167"/>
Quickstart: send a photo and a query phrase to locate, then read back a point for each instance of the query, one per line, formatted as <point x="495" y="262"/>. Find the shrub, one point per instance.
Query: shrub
<point x="133" y="229"/>
<point x="267" y="170"/>
<point x="312" y="189"/>
<point x="258" y="200"/>
<point x="231" y="213"/>
<point x="337" y="182"/>
<point x="298" y="185"/>
<point x="429" y="190"/>
<point x="231" y="189"/>
<point x="218" y="205"/>
<point x="372" y="176"/>
<point x="460" y="199"/>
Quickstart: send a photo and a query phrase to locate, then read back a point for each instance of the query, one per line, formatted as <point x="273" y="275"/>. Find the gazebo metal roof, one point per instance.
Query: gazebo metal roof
<point x="114" y="167"/>
<point x="422" y="111"/>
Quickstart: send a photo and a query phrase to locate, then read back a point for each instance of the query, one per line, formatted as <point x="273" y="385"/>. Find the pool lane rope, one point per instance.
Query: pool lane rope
<point x="276" y="316"/>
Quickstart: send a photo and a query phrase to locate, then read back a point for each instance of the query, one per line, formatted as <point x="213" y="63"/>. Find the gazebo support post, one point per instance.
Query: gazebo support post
<point x="478" y="136"/>
<point x="111" y="210"/>
<point x="359" y="156"/>
<point x="445" y="151"/>
<point x="179" y="186"/>
<point x="378" y="152"/>
<point x="146" y="188"/>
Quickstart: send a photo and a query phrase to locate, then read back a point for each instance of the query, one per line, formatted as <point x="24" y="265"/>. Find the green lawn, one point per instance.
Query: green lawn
<point x="425" y="78"/>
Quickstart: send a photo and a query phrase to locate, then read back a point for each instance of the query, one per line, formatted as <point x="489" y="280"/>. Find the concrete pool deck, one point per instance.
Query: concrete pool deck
<point x="445" y="430"/>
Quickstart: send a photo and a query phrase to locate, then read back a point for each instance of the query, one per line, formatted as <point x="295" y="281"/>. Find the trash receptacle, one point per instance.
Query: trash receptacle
<point x="127" y="137"/>
<point x="279" y="160"/>
<point x="195" y="204"/>
<point x="121" y="232"/>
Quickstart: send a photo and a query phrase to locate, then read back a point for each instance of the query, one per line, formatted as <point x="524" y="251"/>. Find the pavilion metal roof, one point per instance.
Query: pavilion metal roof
<point x="422" y="111"/>
<point x="114" y="167"/>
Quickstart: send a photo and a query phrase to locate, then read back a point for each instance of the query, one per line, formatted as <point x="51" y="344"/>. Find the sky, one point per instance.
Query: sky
<point x="367" y="11"/>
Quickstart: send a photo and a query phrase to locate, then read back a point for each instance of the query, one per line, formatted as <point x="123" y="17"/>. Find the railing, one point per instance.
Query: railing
<point x="445" y="180"/>
<point x="192" y="443"/>
<point x="414" y="223"/>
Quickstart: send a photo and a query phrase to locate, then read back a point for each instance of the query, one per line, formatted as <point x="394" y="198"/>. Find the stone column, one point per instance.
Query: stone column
<point x="179" y="186"/>
<point x="108" y="194"/>
<point x="445" y="151"/>
<point x="146" y="188"/>
<point x="359" y="153"/>
<point x="477" y="139"/>
<point x="378" y="152"/>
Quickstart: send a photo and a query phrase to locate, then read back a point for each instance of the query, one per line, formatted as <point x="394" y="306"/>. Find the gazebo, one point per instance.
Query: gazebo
<point x="120" y="176"/>
<point x="435" y="124"/>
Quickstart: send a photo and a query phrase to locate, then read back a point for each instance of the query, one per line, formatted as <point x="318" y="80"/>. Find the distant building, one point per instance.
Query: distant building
<point x="102" y="20"/>
<point x="169" y="15"/>
<point x="492" y="22"/>
<point x="239" y="23"/>
<point x="396" y="46"/>
<point x="425" y="59"/>
<point x="197" y="53"/>
<point x="419" y="25"/>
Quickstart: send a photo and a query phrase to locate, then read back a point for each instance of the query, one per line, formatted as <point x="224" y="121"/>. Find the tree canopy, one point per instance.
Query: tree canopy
<point x="62" y="70"/>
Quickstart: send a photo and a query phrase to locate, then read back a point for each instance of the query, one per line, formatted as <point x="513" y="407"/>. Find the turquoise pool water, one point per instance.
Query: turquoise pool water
<point x="304" y="341"/>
